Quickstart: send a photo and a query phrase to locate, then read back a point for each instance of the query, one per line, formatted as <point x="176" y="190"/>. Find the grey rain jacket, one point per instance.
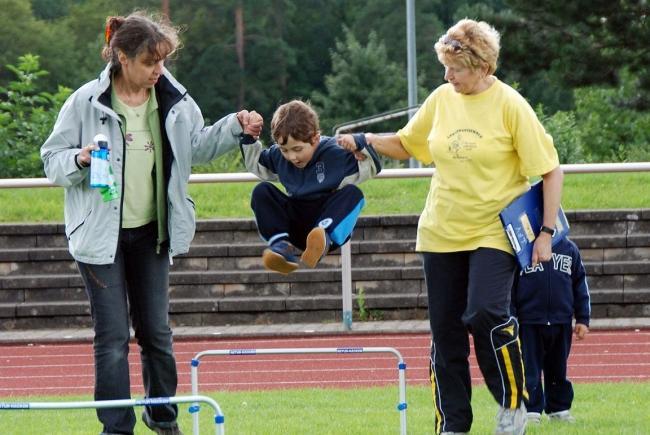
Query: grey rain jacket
<point x="92" y="226"/>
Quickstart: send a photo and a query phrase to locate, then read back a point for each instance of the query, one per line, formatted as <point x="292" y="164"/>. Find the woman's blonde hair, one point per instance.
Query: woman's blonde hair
<point x="470" y="43"/>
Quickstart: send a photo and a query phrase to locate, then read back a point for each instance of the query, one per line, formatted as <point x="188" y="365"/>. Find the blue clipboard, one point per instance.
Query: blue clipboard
<point x="523" y="218"/>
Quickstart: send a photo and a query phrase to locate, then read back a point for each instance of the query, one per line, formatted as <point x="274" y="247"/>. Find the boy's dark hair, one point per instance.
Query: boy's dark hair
<point x="138" y="33"/>
<point x="296" y="119"/>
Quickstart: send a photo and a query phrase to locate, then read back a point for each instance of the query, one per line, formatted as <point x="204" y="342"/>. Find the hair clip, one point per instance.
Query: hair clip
<point x="107" y="33"/>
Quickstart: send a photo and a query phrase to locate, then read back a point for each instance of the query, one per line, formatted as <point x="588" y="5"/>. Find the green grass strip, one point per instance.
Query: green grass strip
<point x="603" y="408"/>
<point x="383" y="196"/>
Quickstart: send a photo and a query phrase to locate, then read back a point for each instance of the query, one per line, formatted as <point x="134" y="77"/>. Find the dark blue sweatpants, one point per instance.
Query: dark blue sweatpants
<point x="546" y="350"/>
<point x="279" y="216"/>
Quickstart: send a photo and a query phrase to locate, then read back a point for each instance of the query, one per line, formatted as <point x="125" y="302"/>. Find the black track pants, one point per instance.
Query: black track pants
<point x="469" y="291"/>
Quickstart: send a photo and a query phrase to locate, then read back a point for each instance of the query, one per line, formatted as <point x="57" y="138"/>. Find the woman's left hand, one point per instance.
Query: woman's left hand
<point x="251" y="122"/>
<point x="542" y="248"/>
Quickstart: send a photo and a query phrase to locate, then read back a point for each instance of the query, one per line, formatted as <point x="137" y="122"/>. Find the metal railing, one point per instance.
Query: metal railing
<point x="242" y="177"/>
<point x="346" y="256"/>
<point x="374" y="119"/>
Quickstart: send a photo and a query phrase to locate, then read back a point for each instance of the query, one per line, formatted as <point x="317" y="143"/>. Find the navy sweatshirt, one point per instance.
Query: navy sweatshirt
<point x="330" y="168"/>
<point x="554" y="291"/>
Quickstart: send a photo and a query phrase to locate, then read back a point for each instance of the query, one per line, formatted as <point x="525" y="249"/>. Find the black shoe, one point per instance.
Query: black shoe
<point x="171" y="429"/>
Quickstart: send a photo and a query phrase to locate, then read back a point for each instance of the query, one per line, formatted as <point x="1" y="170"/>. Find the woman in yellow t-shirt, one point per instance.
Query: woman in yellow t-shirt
<point x="485" y="141"/>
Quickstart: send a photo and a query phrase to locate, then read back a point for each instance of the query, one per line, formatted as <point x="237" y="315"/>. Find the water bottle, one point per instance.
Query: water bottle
<point x="100" y="163"/>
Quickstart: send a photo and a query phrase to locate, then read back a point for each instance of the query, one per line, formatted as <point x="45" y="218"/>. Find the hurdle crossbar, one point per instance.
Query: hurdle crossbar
<point x="401" y="366"/>
<point x="123" y="403"/>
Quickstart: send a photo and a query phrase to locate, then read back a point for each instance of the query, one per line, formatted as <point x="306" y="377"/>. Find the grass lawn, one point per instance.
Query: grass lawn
<point x="383" y="196"/>
<point x="612" y="408"/>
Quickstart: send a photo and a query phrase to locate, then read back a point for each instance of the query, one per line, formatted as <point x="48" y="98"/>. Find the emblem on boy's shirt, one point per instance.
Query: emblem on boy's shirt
<point x="320" y="172"/>
<point x="460" y="145"/>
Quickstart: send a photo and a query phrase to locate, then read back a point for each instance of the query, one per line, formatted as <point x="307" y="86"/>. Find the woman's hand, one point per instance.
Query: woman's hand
<point x="251" y="122"/>
<point x="542" y="248"/>
<point x="83" y="158"/>
<point x="347" y="142"/>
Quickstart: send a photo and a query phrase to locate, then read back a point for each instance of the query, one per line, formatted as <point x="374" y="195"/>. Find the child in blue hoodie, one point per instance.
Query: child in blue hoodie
<point x="319" y="208"/>
<point x="545" y="299"/>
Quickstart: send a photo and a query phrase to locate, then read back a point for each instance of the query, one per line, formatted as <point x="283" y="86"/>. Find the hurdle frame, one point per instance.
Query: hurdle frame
<point x="401" y="366"/>
<point x="123" y="403"/>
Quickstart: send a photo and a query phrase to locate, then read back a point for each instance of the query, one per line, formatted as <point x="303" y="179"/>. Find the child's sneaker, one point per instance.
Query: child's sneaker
<point x="279" y="257"/>
<point x="564" y="416"/>
<point x="318" y="243"/>
<point x="511" y="421"/>
<point x="534" y="417"/>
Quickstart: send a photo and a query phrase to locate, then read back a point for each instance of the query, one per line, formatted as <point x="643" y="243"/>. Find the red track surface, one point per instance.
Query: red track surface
<point x="54" y="369"/>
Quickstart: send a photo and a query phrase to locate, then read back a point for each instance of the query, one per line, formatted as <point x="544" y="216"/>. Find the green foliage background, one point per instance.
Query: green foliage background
<point x="584" y="64"/>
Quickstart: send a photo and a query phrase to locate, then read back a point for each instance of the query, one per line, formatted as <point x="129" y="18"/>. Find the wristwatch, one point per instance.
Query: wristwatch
<point x="547" y="230"/>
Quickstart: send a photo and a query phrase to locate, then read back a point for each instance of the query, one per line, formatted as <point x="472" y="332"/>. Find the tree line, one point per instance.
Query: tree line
<point x="582" y="64"/>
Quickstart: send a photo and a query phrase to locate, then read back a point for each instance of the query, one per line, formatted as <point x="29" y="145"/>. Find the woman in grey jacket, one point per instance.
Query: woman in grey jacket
<point x="124" y="236"/>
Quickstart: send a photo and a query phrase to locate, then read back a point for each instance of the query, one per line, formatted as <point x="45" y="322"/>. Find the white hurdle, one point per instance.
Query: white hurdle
<point x="401" y="366"/>
<point x="124" y="403"/>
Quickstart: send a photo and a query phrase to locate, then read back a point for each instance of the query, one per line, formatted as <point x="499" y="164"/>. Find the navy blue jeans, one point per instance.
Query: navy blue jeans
<point x="135" y="286"/>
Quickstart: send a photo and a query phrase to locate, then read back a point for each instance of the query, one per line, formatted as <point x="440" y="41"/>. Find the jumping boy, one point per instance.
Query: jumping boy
<point x="545" y="299"/>
<point x="322" y="202"/>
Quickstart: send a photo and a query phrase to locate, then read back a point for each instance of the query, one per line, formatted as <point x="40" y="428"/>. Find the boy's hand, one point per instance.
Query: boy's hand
<point x="251" y="122"/>
<point x="581" y="330"/>
<point x="359" y="156"/>
<point x="347" y="142"/>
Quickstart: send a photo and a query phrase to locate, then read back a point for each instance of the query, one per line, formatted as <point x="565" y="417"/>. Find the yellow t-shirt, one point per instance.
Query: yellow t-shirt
<point x="484" y="148"/>
<point x="139" y="190"/>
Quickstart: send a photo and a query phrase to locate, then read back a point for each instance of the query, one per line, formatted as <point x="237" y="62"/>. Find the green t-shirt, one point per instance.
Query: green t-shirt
<point x="139" y="182"/>
<point x="484" y="148"/>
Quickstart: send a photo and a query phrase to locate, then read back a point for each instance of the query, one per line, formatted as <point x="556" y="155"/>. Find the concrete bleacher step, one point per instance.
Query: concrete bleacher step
<point x="221" y="281"/>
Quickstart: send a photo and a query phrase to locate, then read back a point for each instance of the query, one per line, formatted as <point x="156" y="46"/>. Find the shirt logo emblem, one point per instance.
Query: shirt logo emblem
<point x="320" y="172"/>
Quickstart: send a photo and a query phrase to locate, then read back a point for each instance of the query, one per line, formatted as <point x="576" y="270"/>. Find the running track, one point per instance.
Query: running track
<point x="67" y="368"/>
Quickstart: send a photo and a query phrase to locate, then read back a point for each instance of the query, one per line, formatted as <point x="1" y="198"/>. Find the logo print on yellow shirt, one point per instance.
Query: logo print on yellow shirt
<point x="460" y="146"/>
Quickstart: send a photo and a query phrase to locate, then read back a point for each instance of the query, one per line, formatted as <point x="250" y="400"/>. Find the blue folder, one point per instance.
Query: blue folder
<point x="523" y="218"/>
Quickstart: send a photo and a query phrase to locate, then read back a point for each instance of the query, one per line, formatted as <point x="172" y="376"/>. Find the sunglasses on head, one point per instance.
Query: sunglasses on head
<point x="456" y="45"/>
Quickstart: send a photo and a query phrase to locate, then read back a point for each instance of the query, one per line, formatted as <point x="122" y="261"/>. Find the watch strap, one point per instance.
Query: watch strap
<point x="547" y="230"/>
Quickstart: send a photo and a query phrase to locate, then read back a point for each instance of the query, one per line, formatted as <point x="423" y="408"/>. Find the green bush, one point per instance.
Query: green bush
<point x="26" y="119"/>
<point x="610" y="128"/>
<point x="562" y="127"/>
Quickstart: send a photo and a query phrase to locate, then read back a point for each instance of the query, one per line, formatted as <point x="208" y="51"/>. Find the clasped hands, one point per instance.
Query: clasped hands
<point x="251" y="122"/>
